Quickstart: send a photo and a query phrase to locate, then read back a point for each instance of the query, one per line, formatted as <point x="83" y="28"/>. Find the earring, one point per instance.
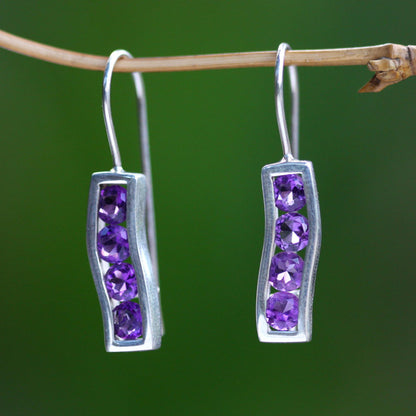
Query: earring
<point x="286" y="281"/>
<point x="124" y="272"/>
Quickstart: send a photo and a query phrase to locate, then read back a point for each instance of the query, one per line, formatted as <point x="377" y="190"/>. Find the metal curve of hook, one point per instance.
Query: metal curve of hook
<point x="108" y="118"/>
<point x="280" y="105"/>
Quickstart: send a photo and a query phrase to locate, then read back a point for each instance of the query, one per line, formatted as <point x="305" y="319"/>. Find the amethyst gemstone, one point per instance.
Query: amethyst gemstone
<point x="292" y="231"/>
<point x="127" y="320"/>
<point x="288" y="193"/>
<point x="286" y="271"/>
<point x="120" y="281"/>
<point x="282" y="311"/>
<point x="112" y="243"/>
<point x="112" y="204"/>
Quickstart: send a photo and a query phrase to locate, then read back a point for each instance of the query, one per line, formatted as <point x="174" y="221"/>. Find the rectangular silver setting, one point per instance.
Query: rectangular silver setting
<point x="148" y="288"/>
<point x="303" y="333"/>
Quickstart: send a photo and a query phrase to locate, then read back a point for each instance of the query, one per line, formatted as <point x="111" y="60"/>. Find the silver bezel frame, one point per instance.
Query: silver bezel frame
<point x="303" y="333"/>
<point x="148" y="289"/>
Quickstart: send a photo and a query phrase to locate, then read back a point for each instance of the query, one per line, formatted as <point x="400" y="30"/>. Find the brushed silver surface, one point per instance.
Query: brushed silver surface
<point x="303" y="332"/>
<point x="147" y="282"/>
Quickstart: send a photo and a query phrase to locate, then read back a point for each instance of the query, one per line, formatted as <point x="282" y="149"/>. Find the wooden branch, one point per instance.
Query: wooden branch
<point x="392" y="63"/>
<point x="397" y="66"/>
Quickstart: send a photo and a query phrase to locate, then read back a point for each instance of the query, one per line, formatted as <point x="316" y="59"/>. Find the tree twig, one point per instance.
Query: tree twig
<point x="392" y="63"/>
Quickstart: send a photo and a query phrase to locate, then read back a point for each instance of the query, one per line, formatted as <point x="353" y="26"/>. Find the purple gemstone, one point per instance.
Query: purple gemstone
<point x="127" y="320"/>
<point x="286" y="271"/>
<point x="112" y="243"/>
<point x="292" y="231"/>
<point x="282" y="311"/>
<point x="288" y="193"/>
<point x="112" y="204"/>
<point x="120" y="281"/>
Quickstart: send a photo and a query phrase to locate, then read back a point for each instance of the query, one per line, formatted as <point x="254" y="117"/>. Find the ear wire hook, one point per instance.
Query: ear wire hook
<point x="280" y="105"/>
<point x="144" y="142"/>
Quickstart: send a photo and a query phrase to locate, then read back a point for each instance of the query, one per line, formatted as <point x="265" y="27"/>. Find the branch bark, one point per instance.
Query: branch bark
<point x="392" y="63"/>
<point x="399" y="65"/>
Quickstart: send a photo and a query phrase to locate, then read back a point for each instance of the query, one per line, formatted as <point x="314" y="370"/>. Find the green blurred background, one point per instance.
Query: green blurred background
<point x="211" y="132"/>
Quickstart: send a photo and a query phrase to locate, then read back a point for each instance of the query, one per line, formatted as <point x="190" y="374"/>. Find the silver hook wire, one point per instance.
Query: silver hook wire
<point x="144" y="143"/>
<point x="280" y="104"/>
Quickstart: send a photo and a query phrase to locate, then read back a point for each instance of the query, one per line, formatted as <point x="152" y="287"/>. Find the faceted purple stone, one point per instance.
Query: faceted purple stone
<point x="282" y="311"/>
<point x="292" y="231"/>
<point x="288" y="193"/>
<point x="120" y="281"/>
<point x="286" y="271"/>
<point x="112" y="243"/>
<point x="112" y="204"/>
<point x="127" y="320"/>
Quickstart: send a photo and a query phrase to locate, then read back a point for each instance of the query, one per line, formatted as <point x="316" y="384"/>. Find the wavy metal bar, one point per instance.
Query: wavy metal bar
<point x="148" y="289"/>
<point x="304" y="328"/>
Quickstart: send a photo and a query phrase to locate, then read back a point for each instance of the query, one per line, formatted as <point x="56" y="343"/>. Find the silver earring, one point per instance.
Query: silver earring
<point x="124" y="271"/>
<point x="286" y="281"/>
